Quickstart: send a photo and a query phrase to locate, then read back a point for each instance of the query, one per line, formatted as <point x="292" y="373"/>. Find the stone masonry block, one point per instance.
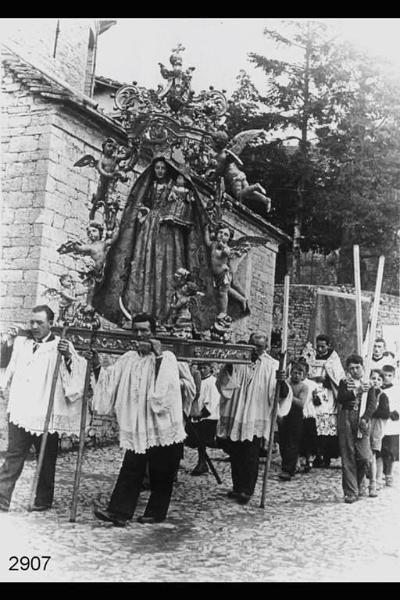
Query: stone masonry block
<point x="26" y="215"/>
<point x="11" y="253"/>
<point x="14" y="275"/>
<point x="34" y="183"/>
<point x="24" y="143"/>
<point x="21" y="289"/>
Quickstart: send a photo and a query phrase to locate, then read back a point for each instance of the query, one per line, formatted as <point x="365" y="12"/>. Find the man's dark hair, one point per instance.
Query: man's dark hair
<point x="388" y="369"/>
<point x="380" y="340"/>
<point x="46" y="309"/>
<point x="323" y="338"/>
<point x="354" y="358"/>
<point x="142" y="317"/>
<point x="258" y="335"/>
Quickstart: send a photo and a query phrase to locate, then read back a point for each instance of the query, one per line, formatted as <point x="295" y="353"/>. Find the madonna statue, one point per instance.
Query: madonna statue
<point x="161" y="231"/>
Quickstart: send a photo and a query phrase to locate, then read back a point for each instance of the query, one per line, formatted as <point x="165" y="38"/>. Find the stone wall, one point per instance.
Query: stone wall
<point x="35" y="38"/>
<point x="45" y="198"/>
<point x="301" y="303"/>
<point x="257" y="278"/>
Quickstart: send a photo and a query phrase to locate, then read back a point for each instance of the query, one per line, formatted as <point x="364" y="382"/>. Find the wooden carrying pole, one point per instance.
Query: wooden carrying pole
<point x="372" y="332"/>
<point x="357" y="285"/>
<point x="46" y="426"/>
<point x="282" y="367"/>
<point x="82" y="430"/>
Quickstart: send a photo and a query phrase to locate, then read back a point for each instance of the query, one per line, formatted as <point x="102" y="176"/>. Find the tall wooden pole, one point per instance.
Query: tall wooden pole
<point x="357" y="285"/>
<point x="82" y="431"/>
<point x="282" y="367"/>
<point x="46" y="426"/>
<point x="372" y="332"/>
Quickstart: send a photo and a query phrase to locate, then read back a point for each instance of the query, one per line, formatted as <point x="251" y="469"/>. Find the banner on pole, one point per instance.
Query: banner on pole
<point x="334" y="314"/>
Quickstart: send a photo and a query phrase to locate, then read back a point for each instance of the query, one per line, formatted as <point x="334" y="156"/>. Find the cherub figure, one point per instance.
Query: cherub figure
<point x="183" y="299"/>
<point x="96" y="249"/>
<point x="226" y="255"/>
<point x="67" y="298"/>
<point x="108" y="167"/>
<point x="220" y="254"/>
<point x="177" y="89"/>
<point x="229" y="166"/>
<point x="229" y="169"/>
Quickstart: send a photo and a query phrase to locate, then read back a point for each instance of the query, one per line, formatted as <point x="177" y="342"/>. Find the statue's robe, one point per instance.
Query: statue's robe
<point x="142" y="261"/>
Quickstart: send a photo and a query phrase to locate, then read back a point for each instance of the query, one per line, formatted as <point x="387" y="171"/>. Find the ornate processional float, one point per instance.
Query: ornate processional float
<point x="166" y="250"/>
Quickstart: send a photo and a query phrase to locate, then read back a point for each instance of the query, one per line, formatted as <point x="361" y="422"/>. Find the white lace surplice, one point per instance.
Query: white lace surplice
<point x="247" y="400"/>
<point x="149" y="413"/>
<point x="30" y="376"/>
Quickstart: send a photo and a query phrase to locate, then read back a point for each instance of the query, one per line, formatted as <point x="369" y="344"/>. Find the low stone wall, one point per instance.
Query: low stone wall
<point x="301" y="303"/>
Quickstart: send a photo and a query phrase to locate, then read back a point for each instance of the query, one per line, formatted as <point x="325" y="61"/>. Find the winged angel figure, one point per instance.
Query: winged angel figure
<point x="226" y="255"/>
<point x="229" y="168"/>
<point x="110" y="172"/>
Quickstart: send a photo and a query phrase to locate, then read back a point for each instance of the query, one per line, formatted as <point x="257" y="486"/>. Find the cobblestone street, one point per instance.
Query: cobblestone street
<point x="306" y="532"/>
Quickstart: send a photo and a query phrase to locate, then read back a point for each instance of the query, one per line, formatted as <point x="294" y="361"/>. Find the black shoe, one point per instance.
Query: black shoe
<point x="242" y="498"/>
<point x="40" y="508"/>
<point x="233" y="494"/>
<point x="110" y="517"/>
<point x="200" y="469"/>
<point x="284" y="476"/>
<point x="149" y="520"/>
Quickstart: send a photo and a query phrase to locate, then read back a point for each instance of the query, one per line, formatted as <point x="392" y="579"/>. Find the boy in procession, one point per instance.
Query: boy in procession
<point x="355" y="451"/>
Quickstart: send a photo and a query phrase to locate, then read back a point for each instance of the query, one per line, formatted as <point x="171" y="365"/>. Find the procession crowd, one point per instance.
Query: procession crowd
<point x="324" y="410"/>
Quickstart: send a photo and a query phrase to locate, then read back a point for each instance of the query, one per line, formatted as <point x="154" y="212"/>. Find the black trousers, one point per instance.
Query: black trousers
<point x="245" y="458"/>
<point x="163" y="461"/>
<point x="290" y="430"/>
<point x="19" y="444"/>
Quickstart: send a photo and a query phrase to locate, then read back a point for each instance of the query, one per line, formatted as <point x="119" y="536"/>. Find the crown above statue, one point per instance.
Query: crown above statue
<point x="172" y="119"/>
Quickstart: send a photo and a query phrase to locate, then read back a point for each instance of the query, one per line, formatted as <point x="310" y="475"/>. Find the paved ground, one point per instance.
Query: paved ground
<point x="306" y="532"/>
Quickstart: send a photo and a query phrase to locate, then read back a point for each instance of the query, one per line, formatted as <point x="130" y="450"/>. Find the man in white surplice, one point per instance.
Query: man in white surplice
<point x="247" y="395"/>
<point x="30" y="362"/>
<point x="144" y="389"/>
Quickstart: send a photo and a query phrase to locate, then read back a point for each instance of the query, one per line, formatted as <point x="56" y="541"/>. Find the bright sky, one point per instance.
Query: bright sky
<point x="218" y="48"/>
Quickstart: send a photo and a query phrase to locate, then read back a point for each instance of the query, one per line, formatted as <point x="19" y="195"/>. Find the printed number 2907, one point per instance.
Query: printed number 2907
<point x="26" y="563"/>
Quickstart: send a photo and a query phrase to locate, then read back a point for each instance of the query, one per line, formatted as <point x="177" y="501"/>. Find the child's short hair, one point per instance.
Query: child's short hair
<point x="299" y="366"/>
<point x="388" y="369"/>
<point x="378" y="372"/>
<point x="354" y="358"/>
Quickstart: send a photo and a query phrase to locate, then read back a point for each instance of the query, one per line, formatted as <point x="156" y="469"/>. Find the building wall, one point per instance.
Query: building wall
<point x="45" y="199"/>
<point x="25" y="142"/>
<point x="36" y="39"/>
<point x="301" y="304"/>
<point x="257" y="279"/>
